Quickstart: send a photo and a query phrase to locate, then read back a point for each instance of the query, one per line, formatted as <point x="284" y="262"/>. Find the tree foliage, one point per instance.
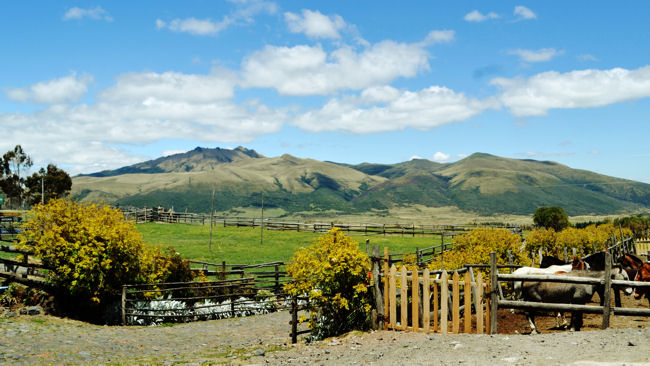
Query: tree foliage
<point x="91" y="250"/>
<point x="13" y="166"/>
<point x="333" y="272"/>
<point x="56" y="183"/>
<point x="551" y="217"/>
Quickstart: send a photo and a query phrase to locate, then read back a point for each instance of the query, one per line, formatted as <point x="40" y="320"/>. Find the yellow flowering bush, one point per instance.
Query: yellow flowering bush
<point x="333" y="273"/>
<point x="585" y="241"/>
<point x="92" y="251"/>
<point x="475" y="247"/>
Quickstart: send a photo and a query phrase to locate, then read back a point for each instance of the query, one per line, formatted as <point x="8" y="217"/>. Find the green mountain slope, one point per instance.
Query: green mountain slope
<point x="479" y="183"/>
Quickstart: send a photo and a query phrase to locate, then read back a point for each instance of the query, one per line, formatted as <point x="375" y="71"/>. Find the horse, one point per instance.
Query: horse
<point x="643" y="275"/>
<point x="631" y="264"/>
<point x="596" y="261"/>
<point x="548" y="261"/>
<point x="577" y="264"/>
<point x="566" y="293"/>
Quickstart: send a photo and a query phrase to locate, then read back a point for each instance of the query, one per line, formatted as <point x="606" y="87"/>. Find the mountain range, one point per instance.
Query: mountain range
<point x="480" y="183"/>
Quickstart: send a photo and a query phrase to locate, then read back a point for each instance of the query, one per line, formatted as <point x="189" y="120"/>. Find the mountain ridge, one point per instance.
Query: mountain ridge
<point x="481" y="182"/>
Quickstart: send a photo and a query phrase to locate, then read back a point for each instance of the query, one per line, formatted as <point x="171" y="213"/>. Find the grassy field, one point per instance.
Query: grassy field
<point x="242" y="245"/>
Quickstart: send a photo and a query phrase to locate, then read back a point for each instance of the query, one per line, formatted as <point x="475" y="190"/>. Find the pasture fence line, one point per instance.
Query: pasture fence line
<point x="391" y="229"/>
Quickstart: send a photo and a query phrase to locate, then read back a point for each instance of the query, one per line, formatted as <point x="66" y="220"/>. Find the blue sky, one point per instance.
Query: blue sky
<point x="99" y="85"/>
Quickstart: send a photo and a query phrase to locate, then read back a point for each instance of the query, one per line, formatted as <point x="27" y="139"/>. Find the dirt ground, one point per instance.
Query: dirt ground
<point x="264" y="340"/>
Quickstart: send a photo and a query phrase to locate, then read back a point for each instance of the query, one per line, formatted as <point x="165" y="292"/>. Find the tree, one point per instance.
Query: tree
<point x="551" y="217"/>
<point x="13" y="165"/>
<point x="54" y="181"/>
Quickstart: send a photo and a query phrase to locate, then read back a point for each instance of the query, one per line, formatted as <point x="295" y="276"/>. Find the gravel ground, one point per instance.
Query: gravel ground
<point x="264" y="339"/>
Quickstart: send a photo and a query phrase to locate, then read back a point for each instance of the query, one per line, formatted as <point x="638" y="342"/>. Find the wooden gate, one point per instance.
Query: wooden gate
<point x="436" y="302"/>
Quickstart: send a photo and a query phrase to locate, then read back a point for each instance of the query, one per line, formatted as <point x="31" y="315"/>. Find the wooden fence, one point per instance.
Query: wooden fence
<point x="498" y="301"/>
<point x="268" y="276"/>
<point x="393" y="229"/>
<point x="191" y="301"/>
<point x="21" y="269"/>
<point x="9" y="227"/>
<point x="434" y="300"/>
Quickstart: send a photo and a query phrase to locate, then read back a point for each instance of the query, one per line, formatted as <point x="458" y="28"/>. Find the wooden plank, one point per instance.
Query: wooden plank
<point x="436" y="327"/>
<point x="494" y="283"/>
<point x="455" y="325"/>
<point x="393" y="297"/>
<point x="468" y="304"/>
<point x="386" y="304"/>
<point x="426" y="317"/>
<point x="444" y="295"/>
<point x="415" y="297"/>
<point x="488" y="306"/>
<point x="404" y="301"/>
<point x="478" y="303"/>
<point x="607" y="294"/>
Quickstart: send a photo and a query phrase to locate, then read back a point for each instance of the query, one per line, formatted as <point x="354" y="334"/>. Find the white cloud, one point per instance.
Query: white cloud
<point x="541" y="55"/>
<point x="97" y="13"/>
<point x="476" y="16"/>
<point x="425" y="109"/>
<point x="314" y="24"/>
<point x="439" y="36"/>
<point x="244" y="14"/>
<point x="68" y="89"/>
<point x="523" y="13"/>
<point x="171" y="86"/>
<point x="172" y="152"/>
<point x="441" y="157"/>
<point x="309" y="70"/>
<point x="577" y="89"/>
<point x="140" y="109"/>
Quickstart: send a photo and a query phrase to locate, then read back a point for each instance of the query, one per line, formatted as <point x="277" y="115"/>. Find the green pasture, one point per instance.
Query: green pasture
<point x="243" y="245"/>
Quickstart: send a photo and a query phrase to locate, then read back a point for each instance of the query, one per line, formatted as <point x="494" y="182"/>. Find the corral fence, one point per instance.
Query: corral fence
<point x="21" y="269"/>
<point x="191" y="301"/>
<point x="393" y="229"/>
<point x="497" y="299"/>
<point x="268" y="276"/>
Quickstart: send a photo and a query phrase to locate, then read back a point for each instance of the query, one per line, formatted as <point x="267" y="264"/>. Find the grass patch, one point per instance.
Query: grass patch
<point x="243" y="245"/>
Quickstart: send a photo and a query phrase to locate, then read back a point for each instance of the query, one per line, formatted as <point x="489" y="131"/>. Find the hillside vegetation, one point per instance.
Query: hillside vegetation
<point x="480" y="183"/>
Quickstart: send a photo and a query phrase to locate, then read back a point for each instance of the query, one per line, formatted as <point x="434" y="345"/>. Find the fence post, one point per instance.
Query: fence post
<point x="294" y="320"/>
<point x="404" y="300"/>
<point x="493" y="293"/>
<point x="123" y="304"/>
<point x="386" y="274"/>
<point x="607" y="294"/>
<point x="277" y="278"/>
<point x="376" y="279"/>
<point x="468" y="304"/>
<point x="444" y="303"/>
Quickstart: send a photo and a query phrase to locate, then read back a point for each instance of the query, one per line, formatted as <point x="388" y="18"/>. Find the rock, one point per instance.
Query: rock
<point x="34" y="310"/>
<point x="23" y="311"/>
<point x="631" y="344"/>
<point x="259" y="352"/>
<point x="11" y="314"/>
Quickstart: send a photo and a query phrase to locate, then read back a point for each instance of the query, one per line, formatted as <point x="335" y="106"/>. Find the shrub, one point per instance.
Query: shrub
<point x="333" y="273"/>
<point x="475" y="247"/>
<point x="92" y="251"/>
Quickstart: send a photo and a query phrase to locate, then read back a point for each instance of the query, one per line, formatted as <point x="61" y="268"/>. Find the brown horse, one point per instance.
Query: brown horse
<point x="639" y="271"/>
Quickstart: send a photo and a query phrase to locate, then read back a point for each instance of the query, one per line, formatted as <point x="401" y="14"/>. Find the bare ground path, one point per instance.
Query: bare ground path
<point x="48" y="340"/>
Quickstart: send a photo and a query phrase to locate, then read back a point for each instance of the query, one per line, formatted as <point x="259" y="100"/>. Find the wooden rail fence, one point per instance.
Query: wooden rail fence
<point x="268" y="276"/>
<point x="498" y="301"/>
<point x="21" y="270"/>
